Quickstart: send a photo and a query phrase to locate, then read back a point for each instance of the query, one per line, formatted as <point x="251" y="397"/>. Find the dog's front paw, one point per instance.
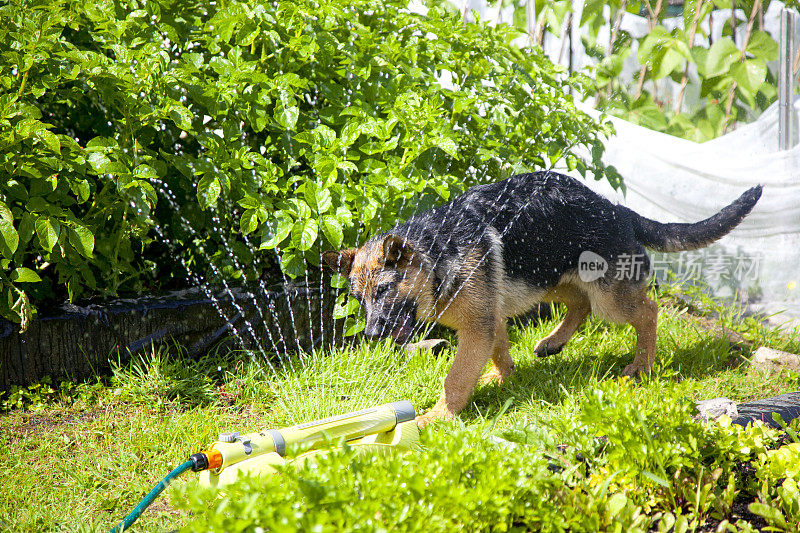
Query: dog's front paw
<point x="635" y="371"/>
<point x="437" y="413"/>
<point x="492" y="376"/>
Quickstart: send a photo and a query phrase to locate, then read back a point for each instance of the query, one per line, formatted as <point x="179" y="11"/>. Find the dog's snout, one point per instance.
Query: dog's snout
<point x="374" y="330"/>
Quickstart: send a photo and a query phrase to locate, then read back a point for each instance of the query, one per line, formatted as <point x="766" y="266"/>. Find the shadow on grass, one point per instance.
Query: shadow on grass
<point x="550" y="380"/>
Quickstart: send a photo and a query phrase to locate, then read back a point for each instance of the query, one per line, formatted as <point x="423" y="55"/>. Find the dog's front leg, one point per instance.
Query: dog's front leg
<point x="474" y="349"/>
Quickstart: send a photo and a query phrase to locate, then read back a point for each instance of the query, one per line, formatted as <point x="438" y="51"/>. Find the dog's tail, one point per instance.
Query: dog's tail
<point x="677" y="237"/>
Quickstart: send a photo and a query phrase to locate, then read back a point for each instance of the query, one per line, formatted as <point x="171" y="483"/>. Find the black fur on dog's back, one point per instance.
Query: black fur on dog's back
<point x="545" y="220"/>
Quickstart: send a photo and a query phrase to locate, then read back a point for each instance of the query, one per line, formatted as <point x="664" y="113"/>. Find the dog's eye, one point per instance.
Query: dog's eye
<point x="381" y="290"/>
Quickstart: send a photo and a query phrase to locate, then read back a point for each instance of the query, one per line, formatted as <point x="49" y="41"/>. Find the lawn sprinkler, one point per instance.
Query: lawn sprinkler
<point x="376" y="430"/>
<point x="379" y="429"/>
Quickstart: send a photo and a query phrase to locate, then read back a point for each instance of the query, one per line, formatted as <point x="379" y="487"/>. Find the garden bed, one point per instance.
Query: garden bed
<point x="79" y="342"/>
<point x="492" y="468"/>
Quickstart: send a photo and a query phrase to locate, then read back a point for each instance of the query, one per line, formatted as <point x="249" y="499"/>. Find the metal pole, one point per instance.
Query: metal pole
<point x="785" y="80"/>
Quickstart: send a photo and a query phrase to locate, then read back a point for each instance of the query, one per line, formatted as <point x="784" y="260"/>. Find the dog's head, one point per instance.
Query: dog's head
<point x="387" y="277"/>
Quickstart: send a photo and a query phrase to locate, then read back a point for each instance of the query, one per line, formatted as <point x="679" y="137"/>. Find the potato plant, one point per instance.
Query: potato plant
<point x="143" y="140"/>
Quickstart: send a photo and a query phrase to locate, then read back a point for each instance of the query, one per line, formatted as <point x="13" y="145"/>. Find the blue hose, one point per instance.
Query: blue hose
<point x="152" y="495"/>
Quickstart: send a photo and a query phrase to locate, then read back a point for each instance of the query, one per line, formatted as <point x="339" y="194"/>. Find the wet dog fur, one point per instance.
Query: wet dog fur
<point x="500" y="249"/>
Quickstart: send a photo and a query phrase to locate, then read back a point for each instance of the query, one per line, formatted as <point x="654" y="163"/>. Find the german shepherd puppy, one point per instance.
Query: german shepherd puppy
<point x="498" y="250"/>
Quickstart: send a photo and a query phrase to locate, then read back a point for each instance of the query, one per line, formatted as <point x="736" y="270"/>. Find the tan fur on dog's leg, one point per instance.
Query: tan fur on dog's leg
<point x="578" y="308"/>
<point x="474" y="350"/>
<point x="645" y="320"/>
<point x="502" y="364"/>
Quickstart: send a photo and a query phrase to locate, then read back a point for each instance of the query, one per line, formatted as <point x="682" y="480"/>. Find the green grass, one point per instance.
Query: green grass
<point x="80" y="456"/>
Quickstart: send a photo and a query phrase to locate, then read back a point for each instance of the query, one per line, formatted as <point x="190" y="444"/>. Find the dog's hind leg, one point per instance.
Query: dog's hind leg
<point x="644" y="318"/>
<point x="502" y="364"/>
<point x="578" y="308"/>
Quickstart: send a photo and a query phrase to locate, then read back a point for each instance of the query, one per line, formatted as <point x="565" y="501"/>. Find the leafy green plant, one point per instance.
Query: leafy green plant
<point x="622" y="461"/>
<point x="779" y="494"/>
<point x="458" y="477"/>
<point x="236" y="140"/>
<point x="37" y="396"/>
<point x="732" y="77"/>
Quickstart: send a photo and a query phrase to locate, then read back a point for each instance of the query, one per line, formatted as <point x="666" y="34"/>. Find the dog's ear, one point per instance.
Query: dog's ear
<point x="397" y="251"/>
<point x="340" y="262"/>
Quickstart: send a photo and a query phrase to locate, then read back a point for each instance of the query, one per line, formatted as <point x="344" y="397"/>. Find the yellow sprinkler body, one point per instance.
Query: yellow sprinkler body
<point x="378" y="430"/>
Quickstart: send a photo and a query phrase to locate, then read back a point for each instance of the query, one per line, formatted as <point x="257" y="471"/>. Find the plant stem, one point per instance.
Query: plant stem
<point x="611" y="42"/>
<point x="565" y="36"/>
<point x="796" y="61"/>
<point x="615" y="30"/>
<point x="685" y="77"/>
<point x="24" y="81"/>
<point x="652" y="24"/>
<point x="729" y="104"/>
<point x="498" y="11"/>
<point x="540" y="22"/>
<point x="117" y="245"/>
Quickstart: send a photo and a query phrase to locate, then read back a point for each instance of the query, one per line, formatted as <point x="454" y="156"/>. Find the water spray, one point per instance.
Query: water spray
<point x="375" y="430"/>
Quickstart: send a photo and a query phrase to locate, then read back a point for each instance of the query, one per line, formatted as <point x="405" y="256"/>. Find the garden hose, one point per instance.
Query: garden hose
<point x="151" y="496"/>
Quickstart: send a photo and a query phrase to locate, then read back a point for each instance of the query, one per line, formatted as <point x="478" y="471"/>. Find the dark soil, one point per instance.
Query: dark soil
<point x="32" y="424"/>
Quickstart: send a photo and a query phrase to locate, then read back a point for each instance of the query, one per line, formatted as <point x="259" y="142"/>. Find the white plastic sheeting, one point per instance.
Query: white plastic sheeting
<point x="673" y="180"/>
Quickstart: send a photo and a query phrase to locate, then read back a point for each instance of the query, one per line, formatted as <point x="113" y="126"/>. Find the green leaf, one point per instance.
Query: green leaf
<point x="81" y="189"/>
<point x="353" y="325"/>
<point x="447" y="144"/>
<point x="318" y="198"/>
<point x="324" y="136"/>
<point x="292" y="264"/>
<point x="29" y="127"/>
<point x="10" y="238"/>
<point x="671" y="61"/>
<point x="181" y="116"/>
<point x="26" y="228"/>
<point x="721" y="56"/>
<point x="25" y="275"/>
<point x="99" y="162"/>
<point x="338" y="281"/>
<point x="350" y="132"/>
<point x="5" y="212"/>
<point x="304" y="233"/>
<point x="616" y="503"/>
<point x="101" y="144"/>
<point x="750" y="74"/>
<point x="772" y="515"/>
<point x="344" y="216"/>
<point x="345" y="306"/>
<point x="655" y="40"/>
<point x="286" y="116"/>
<point x="47" y="230"/>
<point x="656" y="479"/>
<point x="249" y="221"/>
<point x="276" y="231"/>
<point x="325" y="167"/>
<point x="762" y="46"/>
<point x="82" y="240"/>
<point x="50" y="139"/>
<point x="332" y="229"/>
<point x="208" y="190"/>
